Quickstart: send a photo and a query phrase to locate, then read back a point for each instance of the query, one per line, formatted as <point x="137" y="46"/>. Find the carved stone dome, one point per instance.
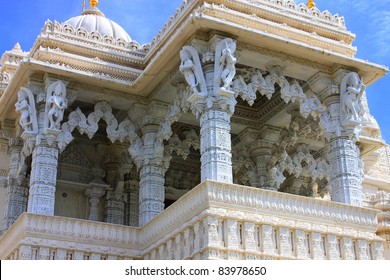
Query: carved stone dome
<point x="93" y="20"/>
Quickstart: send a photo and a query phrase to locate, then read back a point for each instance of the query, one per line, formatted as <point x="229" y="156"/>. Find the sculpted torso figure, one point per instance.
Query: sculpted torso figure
<point x="57" y="106"/>
<point x="229" y="70"/>
<point x="23" y="107"/>
<point x="187" y="67"/>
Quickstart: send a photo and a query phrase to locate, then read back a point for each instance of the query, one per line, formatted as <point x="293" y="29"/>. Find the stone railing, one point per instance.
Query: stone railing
<point x="212" y="221"/>
<point x="225" y="221"/>
<point x="36" y="237"/>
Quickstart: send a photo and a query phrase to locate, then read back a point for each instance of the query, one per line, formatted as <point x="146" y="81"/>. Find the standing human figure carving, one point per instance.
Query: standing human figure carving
<point x="23" y="107"/>
<point x="352" y="89"/>
<point x="187" y="67"/>
<point x="26" y="107"/>
<point x="228" y="62"/>
<point x="56" y="104"/>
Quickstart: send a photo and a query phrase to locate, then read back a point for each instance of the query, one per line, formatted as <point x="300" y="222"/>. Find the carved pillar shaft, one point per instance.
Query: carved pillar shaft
<point x="115" y="208"/>
<point x="345" y="171"/>
<point x="42" y="138"/>
<point x="94" y="195"/>
<point x="94" y="209"/>
<point x="17" y="190"/>
<point x="341" y="123"/>
<point x="43" y="179"/>
<point x="17" y="201"/>
<point x="151" y="195"/>
<point x="15" y="147"/>
<point x="262" y="170"/>
<point x="216" y="158"/>
<point x="212" y="98"/>
<point x="133" y="204"/>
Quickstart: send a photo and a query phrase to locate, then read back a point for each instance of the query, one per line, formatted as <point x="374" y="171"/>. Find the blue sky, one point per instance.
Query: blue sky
<point x="21" y="21"/>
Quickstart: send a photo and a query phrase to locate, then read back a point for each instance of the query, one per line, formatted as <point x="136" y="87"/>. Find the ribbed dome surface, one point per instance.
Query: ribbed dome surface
<point x="94" y="20"/>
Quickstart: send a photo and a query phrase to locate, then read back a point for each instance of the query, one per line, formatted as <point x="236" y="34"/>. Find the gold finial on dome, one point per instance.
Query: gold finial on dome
<point x="93" y="3"/>
<point x="311" y="4"/>
<point x="93" y="9"/>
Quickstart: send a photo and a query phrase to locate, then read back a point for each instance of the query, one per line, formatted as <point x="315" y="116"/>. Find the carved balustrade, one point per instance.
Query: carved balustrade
<point x="212" y="221"/>
<point x="38" y="237"/>
<point x="226" y="221"/>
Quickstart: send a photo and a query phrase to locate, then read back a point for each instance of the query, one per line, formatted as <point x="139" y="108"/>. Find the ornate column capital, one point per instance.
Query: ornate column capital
<point x="94" y="192"/>
<point x="209" y="73"/>
<point x="320" y="84"/>
<point x="345" y="112"/>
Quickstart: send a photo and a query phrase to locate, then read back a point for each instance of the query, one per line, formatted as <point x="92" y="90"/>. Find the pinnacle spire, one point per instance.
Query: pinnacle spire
<point x="311" y="4"/>
<point x="93" y="3"/>
<point x="83" y="6"/>
<point x="93" y="9"/>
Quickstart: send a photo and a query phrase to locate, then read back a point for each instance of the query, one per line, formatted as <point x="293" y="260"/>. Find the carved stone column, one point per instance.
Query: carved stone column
<point x="209" y="75"/>
<point x="17" y="191"/>
<point x="216" y="146"/>
<point x="115" y="207"/>
<point x="42" y="139"/>
<point x="43" y="179"/>
<point x="152" y="168"/>
<point x="42" y="111"/>
<point x="132" y="188"/>
<point x="148" y="154"/>
<point x="341" y="123"/>
<point x="94" y="195"/>
<point x="346" y="168"/>
<point x="345" y="173"/>
<point x="152" y="192"/>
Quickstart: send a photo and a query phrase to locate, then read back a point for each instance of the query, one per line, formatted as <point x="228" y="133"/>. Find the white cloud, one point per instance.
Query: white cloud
<point x="380" y="37"/>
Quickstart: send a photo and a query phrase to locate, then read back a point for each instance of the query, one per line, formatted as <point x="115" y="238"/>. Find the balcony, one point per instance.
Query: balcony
<point x="212" y="221"/>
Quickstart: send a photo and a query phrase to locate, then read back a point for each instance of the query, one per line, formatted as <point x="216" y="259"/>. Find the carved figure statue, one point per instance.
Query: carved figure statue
<point x="352" y="89"/>
<point x="26" y="107"/>
<point x="228" y="62"/>
<point x="23" y="108"/>
<point x="187" y="67"/>
<point x="56" y="104"/>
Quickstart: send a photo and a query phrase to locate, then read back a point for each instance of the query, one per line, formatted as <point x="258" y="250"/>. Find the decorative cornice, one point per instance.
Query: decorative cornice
<point x="292" y="9"/>
<point x="277" y="25"/>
